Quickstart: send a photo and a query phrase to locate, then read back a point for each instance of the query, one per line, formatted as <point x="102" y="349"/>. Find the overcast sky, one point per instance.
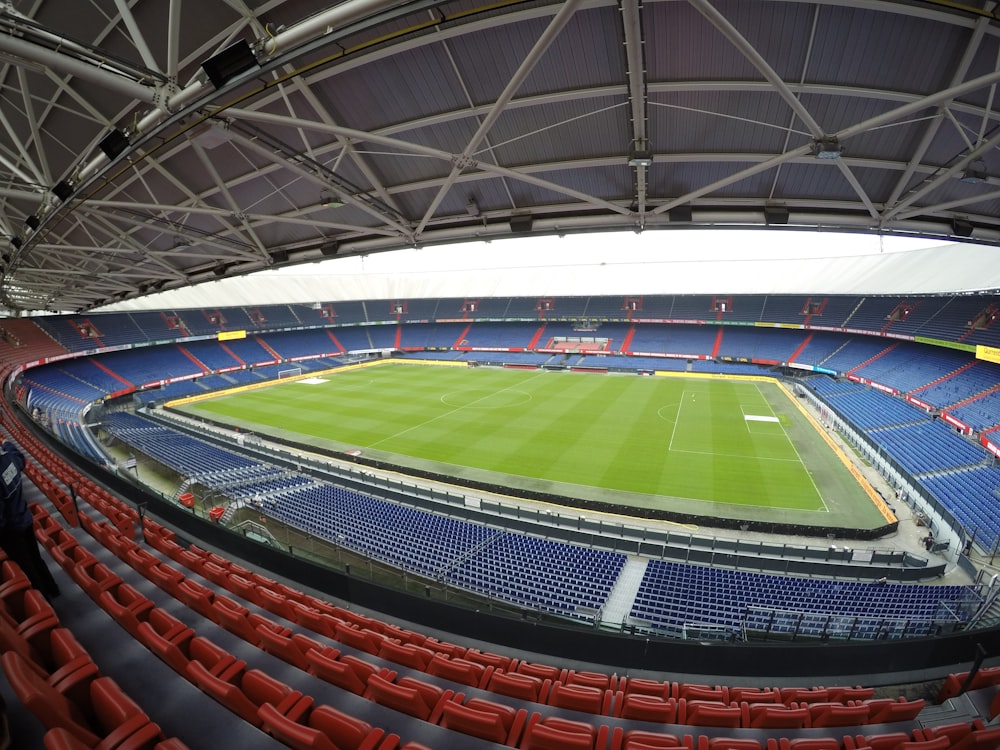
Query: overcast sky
<point x="704" y="261"/>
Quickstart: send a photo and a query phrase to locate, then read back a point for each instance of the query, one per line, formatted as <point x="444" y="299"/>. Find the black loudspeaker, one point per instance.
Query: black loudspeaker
<point x="961" y="228"/>
<point x="32" y="222"/>
<point x="330" y="249"/>
<point x="113" y="144"/>
<point x="520" y="224"/>
<point x="682" y="214"/>
<point x="63" y="190"/>
<point x="775" y="215"/>
<point x="231" y="62"/>
<point x="16" y="242"/>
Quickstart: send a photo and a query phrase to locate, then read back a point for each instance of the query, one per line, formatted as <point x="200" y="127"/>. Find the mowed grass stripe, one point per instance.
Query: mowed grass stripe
<point x="571" y="429"/>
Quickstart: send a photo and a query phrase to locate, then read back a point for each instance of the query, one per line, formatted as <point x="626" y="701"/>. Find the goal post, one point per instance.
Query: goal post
<point x="291" y="372"/>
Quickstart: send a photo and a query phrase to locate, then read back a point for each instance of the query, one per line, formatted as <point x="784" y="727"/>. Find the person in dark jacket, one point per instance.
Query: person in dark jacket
<point x="17" y="533"/>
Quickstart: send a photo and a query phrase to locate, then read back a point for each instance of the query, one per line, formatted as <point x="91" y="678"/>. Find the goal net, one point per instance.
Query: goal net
<point x="291" y="372"/>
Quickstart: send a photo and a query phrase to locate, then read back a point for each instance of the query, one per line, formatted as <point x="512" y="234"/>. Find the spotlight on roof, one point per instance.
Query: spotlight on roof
<point x="973" y="174"/>
<point x="471" y="207"/>
<point x="827" y="148"/>
<point x="63" y="190"/>
<point x="640" y="154"/>
<point x="329" y="249"/>
<point x="114" y="143"/>
<point x="328" y="201"/>
<point x="230" y="63"/>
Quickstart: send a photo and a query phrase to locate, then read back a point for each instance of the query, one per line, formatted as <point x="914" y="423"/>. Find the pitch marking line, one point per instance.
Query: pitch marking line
<point x="737" y="456"/>
<point x="798" y="456"/>
<point x="449" y="413"/>
<point x="677" y="419"/>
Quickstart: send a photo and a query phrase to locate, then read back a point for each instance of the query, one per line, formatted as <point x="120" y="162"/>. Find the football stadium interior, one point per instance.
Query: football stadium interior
<point x="723" y="503"/>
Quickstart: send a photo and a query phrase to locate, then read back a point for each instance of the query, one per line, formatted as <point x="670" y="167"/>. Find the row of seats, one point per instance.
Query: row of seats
<point x="56" y="680"/>
<point x="480" y="717"/>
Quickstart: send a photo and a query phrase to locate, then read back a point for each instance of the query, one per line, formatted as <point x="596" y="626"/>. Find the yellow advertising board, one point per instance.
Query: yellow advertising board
<point x="230" y="335"/>
<point x="989" y="353"/>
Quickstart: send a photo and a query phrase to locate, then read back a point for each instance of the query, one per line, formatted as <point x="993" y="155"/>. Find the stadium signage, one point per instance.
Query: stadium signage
<point x="957" y="424"/>
<point x="231" y="335"/>
<point x="922" y="404"/>
<point x="990" y="447"/>
<point x="988" y="353"/>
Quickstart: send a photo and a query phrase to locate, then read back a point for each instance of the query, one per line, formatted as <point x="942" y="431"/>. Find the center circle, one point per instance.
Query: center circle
<point x="485" y="399"/>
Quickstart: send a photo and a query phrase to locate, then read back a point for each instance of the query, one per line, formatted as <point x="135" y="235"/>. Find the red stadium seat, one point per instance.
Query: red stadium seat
<point x="327" y="729"/>
<point x="126" y="605"/>
<point x="580" y="698"/>
<point x="363" y="640"/>
<point x="521" y="686"/>
<point x="646" y="708"/>
<point x="485" y="719"/>
<point x="246" y="692"/>
<point x="459" y="670"/>
<point x="541" y="671"/>
<point x="408" y="695"/>
<point x="837" y="714"/>
<point x="109" y="711"/>
<point x="282" y="646"/>
<point x="406" y="654"/>
<point x="196" y="596"/>
<point x="711" y="714"/>
<point x="347" y="672"/>
<point x="167" y="637"/>
<point x="769" y="716"/>
<point x="637" y="739"/>
<point x="488" y="659"/>
<point x="642" y="686"/>
<point x="557" y="733"/>
<point x="592" y="679"/>
<point x="219" y="662"/>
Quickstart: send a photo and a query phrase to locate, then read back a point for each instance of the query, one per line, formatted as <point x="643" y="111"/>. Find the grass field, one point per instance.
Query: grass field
<point x="720" y="447"/>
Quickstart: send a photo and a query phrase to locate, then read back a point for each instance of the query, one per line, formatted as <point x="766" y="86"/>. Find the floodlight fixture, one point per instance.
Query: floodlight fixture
<point x="326" y="200"/>
<point x="639" y="154"/>
<point x="230" y="63"/>
<point x="114" y="143"/>
<point x="472" y="207"/>
<point x="827" y="147"/>
<point x="329" y="249"/>
<point x="63" y="190"/>
<point x="974" y="173"/>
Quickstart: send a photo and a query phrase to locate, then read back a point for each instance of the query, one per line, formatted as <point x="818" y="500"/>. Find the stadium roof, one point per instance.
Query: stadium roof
<point x="156" y="144"/>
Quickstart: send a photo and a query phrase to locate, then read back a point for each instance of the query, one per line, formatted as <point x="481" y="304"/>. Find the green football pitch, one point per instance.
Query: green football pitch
<point x="721" y="447"/>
